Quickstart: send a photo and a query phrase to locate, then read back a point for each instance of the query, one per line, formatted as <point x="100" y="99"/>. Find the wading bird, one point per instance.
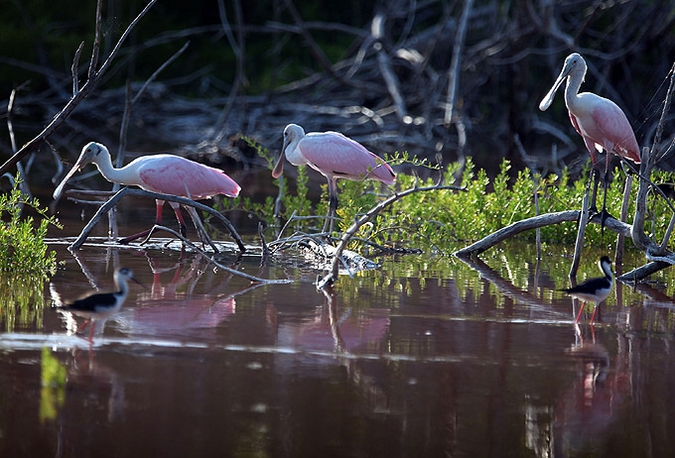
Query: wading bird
<point x="163" y="173"/>
<point x="594" y="289"/>
<point x="599" y="121"/>
<point x="99" y="306"/>
<point x="334" y="156"/>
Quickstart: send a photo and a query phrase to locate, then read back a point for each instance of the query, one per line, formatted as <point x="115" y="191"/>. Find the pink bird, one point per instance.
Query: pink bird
<point x="599" y="121"/>
<point x="163" y="173"/>
<point x="334" y="156"/>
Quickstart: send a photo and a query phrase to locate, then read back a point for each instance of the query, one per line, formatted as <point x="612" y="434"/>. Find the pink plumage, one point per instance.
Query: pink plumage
<point x="599" y="121"/>
<point x="162" y="173"/>
<point x="334" y="156"/>
<point x="604" y="126"/>
<point x="178" y="176"/>
<point x="331" y="153"/>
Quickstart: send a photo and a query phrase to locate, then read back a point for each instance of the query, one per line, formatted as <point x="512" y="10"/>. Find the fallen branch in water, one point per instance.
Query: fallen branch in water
<point x="533" y="223"/>
<point x="353" y="229"/>
<point x="212" y="260"/>
<point x="154" y="195"/>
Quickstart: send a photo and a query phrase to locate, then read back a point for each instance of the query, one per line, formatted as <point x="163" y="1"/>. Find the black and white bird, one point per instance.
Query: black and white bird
<point x="99" y="306"/>
<point x="594" y="289"/>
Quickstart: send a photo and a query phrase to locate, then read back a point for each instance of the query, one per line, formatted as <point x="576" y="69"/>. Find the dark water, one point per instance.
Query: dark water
<point x="427" y="356"/>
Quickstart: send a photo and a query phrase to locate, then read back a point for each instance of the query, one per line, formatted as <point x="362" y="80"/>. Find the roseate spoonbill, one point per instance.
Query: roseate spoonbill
<point x="599" y="121"/>
<point x="594" y="289"/>
<point x="334" y="156"/>
<point x="98" y="306"/>
<point x="163" y="173"/>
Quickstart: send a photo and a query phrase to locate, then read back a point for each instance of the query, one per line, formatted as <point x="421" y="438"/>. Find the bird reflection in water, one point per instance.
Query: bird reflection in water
<point x="172" y="309"/>
<point x="586" y="412"/>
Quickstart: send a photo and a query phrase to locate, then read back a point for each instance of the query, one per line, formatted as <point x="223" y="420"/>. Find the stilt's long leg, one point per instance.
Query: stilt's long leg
<point x="595" y="310"/>
<point x="583" y="304"/>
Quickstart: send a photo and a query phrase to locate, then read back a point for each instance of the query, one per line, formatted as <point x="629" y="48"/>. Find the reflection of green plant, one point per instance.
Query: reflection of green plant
<point x="22" y="246"/>
<point x="53" y="393"/>
<point x="22" y="299"/>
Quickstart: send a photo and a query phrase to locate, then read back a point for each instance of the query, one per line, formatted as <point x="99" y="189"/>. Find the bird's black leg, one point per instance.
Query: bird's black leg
<point x="604" y="214"/>
<point x="595" y="175"/>
<point x="332" y="205"/>
<point x="332" y="209"/>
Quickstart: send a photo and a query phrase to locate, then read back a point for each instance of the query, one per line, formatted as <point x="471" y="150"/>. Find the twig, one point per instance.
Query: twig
<point x="76" y="99"/>
<point x="212" y="260"/>
<point x="97" y="42"/>
<point x="390" y="79"/>
<point x="620" y="239"/>
<point x="263" y="242"/>
<point x="110" y="203"/>
<point x="453" y="72"/>
<point x="239" y="49"/>
<point x="75" y="68"/>
<point x="581" y="230"/>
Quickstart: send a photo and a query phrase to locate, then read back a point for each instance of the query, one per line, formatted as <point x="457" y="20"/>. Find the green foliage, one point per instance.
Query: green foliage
<point x="22" y="246"/>
<point x="446" y="220"/>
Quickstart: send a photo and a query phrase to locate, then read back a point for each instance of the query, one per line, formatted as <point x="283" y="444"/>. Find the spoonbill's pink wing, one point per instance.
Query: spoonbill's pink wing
<point x="178" y="176"/>
<point x="614" y="127"/>
<point x="333" y="154"/>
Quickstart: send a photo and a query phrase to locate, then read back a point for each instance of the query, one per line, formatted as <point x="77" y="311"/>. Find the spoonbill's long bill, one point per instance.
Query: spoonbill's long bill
<point x="594" y="289"/>
<point x="98" y="306"/>
<point x="599" y="121"/>
<point x="163" y="173"/>
<point x="334" y="156"/>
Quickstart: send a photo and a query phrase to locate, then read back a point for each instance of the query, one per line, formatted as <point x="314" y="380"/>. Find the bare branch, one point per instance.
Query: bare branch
<point x="154" y="195"/>
<point x="62" y="115"/>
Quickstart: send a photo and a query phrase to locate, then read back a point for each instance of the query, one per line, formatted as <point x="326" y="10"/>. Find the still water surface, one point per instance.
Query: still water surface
<point x="427" y="356"/>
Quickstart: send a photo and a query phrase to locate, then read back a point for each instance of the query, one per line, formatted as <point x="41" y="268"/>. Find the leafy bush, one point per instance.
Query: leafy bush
<point x="22" y="246"/>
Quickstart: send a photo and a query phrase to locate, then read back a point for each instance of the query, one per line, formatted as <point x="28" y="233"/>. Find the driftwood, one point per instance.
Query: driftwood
<point x="107" y="206"/>
<point x="546" y="219"/>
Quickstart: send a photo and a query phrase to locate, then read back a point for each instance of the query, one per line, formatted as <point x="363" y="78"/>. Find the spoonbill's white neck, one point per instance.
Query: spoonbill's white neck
<point x="103" y="162"/>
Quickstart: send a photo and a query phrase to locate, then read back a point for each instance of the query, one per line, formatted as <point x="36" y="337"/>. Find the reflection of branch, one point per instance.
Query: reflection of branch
<point x="505" y="286"/>
<point x="92" y="80"/>
<point x="222" y="266"/>
<point x="154" y="195"/>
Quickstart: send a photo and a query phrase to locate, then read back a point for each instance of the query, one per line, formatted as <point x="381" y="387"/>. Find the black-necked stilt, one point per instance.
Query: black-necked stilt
<point x="102" y="305"/>
<point x="594" y="289"/>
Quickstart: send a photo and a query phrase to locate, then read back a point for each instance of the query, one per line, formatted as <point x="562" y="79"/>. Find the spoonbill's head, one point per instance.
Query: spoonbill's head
<point x="574" y="63"/>
<point x="292" y="134"/>
<point x="91" y="153"/>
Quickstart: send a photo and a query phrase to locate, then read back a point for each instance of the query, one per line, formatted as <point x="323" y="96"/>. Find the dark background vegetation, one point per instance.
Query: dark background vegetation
<point x="319" y="64"/>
